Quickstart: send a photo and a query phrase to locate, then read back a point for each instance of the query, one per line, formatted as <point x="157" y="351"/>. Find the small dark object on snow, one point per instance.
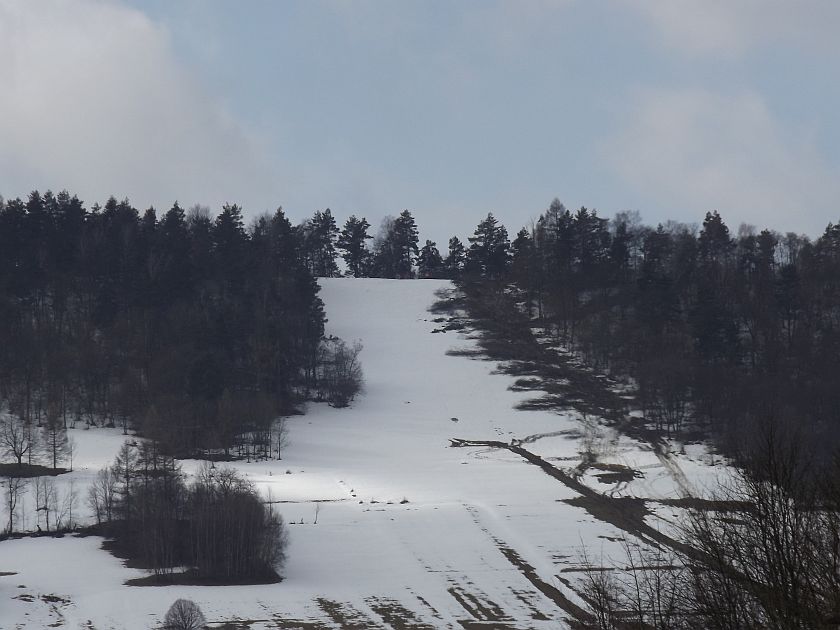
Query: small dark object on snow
<point x="454" y="419"/>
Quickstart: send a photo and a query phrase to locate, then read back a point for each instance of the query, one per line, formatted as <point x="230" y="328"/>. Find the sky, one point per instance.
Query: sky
<point x="449" y="109"/>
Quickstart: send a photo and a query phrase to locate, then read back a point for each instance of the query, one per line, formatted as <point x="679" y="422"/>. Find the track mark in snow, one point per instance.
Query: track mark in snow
<point x="347" y="617"/>
<point x="674" y="470"/>
<point x="551" y="592"/>
<point x="53" y="604"/>
<point x="395" y="615"/>
<point x="625" y="513"/>
<point x="478" y="605"/>
<point x="527" y="598"/>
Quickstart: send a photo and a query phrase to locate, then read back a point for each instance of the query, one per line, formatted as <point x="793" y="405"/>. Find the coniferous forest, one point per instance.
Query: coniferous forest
<point x="199" y="330"/>
<point x="719" y="331"/>
<point x="193" y="329"/>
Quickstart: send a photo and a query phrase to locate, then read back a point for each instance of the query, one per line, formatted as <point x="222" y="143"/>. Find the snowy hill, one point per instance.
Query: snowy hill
<point x="410" y="531"/>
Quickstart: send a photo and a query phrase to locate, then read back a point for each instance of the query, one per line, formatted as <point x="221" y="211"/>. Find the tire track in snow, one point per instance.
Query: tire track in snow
<point x="551" y="592"/>
<point x="673" y="468"/>
<point x="625" y="513"/>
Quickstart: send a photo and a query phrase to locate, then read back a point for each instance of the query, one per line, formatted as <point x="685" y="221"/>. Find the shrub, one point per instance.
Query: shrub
<point x="184" y="615"/>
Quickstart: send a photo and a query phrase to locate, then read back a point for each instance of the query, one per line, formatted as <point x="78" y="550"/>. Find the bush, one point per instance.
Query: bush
<point x="232" y="532"/>
<point x="219" y="526"/>
<point x="184" y="615"/>
<point x="340" y="378"/>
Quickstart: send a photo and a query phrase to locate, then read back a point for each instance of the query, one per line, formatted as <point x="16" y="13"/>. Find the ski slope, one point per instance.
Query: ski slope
<point x="410" y="532"/>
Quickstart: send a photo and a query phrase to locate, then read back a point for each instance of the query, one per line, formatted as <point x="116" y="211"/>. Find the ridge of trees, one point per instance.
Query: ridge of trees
<point x="184" y="322"/>
<point x="714" y="331"/>
<point x="193" y="329"/>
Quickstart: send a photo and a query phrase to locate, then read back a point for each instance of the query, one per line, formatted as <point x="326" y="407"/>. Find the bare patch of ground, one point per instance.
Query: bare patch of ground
<point x="478" y="605"/>
<point x="395" y="615"/>
<point x="346" y="616"/>
<point x="190" y="578"/>
<point x="27" y="471"/>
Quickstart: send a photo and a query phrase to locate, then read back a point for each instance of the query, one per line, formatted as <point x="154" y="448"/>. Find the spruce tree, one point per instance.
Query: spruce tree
<point x="396" y="247"/>
<point x="319" y="237"/>
<point x="352" y="243"/>
<point x="489" y="245"/>
<point x="406" y="239"/>
<point x="454" y="263"/>
<point x="429" y="262"/>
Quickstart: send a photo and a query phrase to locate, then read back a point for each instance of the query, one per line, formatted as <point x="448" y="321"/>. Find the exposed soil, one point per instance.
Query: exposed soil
<point x="27" y="471"/>
<point x="477" y="604"/>
<point x="395" y="615"/>
<point x="190" y="578"/>
<point x="346" y="616"/>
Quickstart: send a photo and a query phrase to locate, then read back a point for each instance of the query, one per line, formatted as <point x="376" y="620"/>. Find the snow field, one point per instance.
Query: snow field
<point x="452" y="554"/>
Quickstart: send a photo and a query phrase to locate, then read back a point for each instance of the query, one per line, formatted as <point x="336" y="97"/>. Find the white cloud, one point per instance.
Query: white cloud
<point x="94" y="100"/>
<point x="728" y="27"/>
<point x="692" y="150"/>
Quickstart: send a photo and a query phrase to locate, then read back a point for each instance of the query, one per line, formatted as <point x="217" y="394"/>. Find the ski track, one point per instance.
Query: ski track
<point x="411" y="532"/>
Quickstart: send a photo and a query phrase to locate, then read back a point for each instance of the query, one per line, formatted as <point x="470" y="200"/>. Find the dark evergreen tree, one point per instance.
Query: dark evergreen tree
<point x="455" y="258"/>
<point x="405" y="241"/>
<point x="320" y="234"/>
<point x="429" y="262"/>
<point x="488" y="254"/>
<point x="352" y="243"/>
<point x="229" y="241"/>
<point x="396" y="247"/>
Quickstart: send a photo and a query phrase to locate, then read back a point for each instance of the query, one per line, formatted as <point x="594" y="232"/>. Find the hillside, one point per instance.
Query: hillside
<point x="411" y="532"/>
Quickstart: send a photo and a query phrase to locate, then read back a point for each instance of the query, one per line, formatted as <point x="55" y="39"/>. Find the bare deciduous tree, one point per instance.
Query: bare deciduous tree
<point x="340" y="378"/>
<point x="16" y="437"/>
<point x="102" y="496"/>
<point x="14" y="489"/>
<point x="184" y="614"/>
<point x="46" y="502"/>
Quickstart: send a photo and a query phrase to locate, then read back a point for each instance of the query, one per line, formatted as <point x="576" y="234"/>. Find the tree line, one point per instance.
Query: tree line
<point x="395" y="252"/>
<point x="200" y="330"/>
<point x="715" y="331"/>
<point x="194" y="329"/>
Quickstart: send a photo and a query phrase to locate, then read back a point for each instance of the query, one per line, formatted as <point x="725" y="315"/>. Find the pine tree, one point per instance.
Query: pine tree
<point x="429" y="262"/>
<point x="319" y="237"/>
<point x="454" y="262"/>
<point x="396" y="247"/>
<point x="523" y="263"/>
<point x="229" y="243"/>
<point x="352" y="242"/>
<point x="405" y="239"/>
<point x="488" y="254"/>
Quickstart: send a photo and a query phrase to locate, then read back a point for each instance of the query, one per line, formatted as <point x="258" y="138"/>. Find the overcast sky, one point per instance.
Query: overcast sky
<point x="450" y="109"/>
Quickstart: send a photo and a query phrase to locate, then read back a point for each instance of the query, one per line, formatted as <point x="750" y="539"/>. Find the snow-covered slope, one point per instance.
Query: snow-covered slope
<point x="410" y="531"/>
